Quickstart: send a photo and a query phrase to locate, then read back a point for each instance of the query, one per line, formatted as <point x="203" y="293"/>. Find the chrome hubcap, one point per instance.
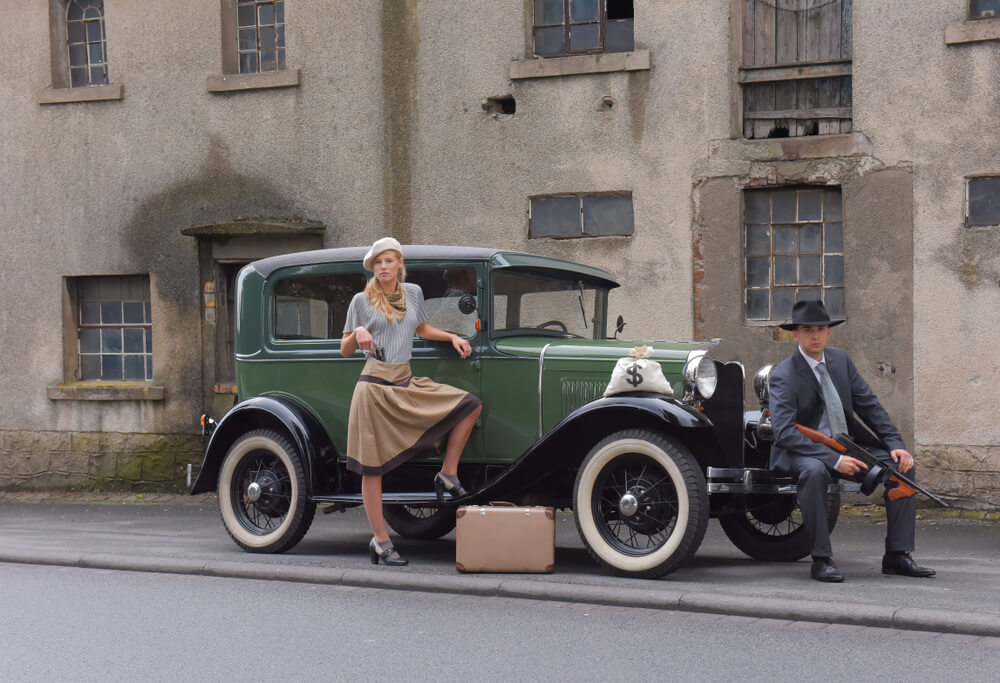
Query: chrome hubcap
<point x="253" y="492"/>
<point x="628" y="505"/>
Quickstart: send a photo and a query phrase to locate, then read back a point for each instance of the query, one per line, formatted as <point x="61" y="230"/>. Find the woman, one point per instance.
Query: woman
<point x="394" y="415"/>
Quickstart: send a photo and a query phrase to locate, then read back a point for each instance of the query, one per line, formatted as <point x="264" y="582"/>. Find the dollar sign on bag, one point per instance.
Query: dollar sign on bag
<point x="634" y="378"/>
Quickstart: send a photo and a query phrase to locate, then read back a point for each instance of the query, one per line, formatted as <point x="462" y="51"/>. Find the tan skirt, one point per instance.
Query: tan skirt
<point x="395" y="416"/>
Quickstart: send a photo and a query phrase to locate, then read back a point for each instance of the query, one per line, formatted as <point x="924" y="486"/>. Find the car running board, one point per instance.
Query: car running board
<point x="418" y="499"/>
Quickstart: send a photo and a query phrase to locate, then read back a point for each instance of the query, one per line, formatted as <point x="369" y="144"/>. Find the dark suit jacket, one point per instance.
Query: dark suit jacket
<point x="795" y="396"/>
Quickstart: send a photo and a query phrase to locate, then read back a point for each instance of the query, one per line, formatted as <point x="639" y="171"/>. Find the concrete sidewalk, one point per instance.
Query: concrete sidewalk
<point x="181" y="534"/>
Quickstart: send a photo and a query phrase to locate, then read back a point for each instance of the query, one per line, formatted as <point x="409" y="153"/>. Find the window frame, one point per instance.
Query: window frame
<point x="823" y="253"/>
<point x="567" y="23"/>
<point x="968" y="204"/>
<point x="581" y="198"/>
<point x="978" y="17"/>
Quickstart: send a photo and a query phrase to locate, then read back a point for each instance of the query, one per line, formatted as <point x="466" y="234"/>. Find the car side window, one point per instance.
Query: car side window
<point x="314" y="306"/>
<point x="442" y="288"/>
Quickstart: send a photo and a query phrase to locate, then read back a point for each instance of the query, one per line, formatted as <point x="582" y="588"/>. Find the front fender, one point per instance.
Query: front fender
<point x="276" y="412"/>
<point x="566" y="444"/>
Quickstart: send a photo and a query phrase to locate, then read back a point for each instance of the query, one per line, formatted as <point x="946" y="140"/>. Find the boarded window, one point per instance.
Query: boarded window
<point x="982" y="201"/>
<point x="794" y="251"/>
<point x="585" y="215"/>
<point x="260" y="26"/>
<point x="982" y="9"/>
<point x="115" y="331"/>
<point x="87" y="43"/>
<point x="567" y="27"/>
<point x="796" y="74"/>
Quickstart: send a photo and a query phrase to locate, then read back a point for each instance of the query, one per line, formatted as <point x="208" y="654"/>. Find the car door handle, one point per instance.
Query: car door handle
<point x="475" y="364"/>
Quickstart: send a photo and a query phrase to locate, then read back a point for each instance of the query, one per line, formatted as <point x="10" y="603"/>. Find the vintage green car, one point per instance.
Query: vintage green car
<point x="643" y="472"/>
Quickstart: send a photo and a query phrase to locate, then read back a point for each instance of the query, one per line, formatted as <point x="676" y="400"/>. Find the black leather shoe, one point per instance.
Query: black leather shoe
<point x="450" y="483"/>
<point x="388" y="555"/>
<point x="824" y="569"/>
<point x="903" y="565"/>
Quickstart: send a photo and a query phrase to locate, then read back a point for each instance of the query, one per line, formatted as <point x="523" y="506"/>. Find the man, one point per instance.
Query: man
<point x="797" y="396"/>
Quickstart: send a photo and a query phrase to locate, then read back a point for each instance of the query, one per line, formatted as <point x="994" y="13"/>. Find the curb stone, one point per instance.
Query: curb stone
<point x="912" y="619"/>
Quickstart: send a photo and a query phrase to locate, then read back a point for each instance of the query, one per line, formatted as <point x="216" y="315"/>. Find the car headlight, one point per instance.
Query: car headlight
<point x="700" y="377"/>
<point x="761" y="385"/>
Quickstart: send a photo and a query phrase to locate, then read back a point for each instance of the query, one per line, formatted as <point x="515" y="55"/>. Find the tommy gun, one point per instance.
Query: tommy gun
<point x="897" y="484"/>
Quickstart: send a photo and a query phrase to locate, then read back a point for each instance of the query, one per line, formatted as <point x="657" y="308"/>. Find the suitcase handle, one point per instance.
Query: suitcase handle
<point x="501" y="504"/>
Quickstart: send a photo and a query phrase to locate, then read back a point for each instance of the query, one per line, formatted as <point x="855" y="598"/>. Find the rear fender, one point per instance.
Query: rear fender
<point x="282" y="414"/>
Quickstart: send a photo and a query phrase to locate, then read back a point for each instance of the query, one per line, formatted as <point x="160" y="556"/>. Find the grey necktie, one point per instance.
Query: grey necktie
<point x="834" y="408"/>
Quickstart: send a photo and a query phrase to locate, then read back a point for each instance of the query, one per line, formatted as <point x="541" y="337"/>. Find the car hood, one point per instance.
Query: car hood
<point x="590" y="349"/>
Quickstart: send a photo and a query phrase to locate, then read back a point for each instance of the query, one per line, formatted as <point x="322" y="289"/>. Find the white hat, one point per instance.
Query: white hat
<point x="383" y="244"/>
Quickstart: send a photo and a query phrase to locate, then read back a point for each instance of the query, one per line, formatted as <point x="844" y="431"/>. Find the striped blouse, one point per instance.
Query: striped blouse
<point x="395" y="337"/>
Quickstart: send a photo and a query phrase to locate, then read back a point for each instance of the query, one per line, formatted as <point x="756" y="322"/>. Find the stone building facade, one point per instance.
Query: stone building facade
<point x="751" y="151"/>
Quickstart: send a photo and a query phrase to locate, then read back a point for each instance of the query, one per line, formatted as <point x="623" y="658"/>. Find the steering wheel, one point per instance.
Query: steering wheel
<point x="554" y="323"/>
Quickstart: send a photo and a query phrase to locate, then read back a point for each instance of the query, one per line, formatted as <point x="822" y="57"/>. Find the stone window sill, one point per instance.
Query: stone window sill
<point x="93" y="93"/>
<point x="972" y="31"/>
<point x="604" y="62"/>
<point x="237" y="82"/>
<point x="788" y="149"/>
<point x="106" y="391"/>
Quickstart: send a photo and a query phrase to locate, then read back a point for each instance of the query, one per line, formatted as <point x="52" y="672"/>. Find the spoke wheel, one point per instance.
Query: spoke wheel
<point x="262" y="493"/>
<point x="640" y="503"/>
<point x="426" y="523"/>
<point x="771" y="527"/>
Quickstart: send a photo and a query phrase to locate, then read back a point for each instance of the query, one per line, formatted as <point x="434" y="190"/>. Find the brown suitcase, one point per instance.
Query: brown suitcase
<point x="500" y="537"/>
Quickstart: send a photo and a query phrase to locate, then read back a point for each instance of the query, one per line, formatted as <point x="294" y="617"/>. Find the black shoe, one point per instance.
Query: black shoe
<point x="903" y="565"/>
<point x="448" y="482"/>
<point x="388" y="555"/>
<point x="824" y="569"/>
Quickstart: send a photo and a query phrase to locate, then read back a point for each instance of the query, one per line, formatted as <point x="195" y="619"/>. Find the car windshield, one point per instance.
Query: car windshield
<point x="543" y="303"/>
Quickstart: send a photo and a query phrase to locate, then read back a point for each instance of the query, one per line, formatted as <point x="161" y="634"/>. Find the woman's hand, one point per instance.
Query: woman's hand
<point x="463" y="347"/>
<point x="364" y="339"/>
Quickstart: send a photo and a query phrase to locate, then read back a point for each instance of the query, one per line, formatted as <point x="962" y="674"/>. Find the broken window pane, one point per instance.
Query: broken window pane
<point x="983" y="201"/>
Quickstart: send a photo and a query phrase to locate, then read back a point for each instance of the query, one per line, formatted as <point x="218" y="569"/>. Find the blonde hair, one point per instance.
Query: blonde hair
<point x="376" y="295"/>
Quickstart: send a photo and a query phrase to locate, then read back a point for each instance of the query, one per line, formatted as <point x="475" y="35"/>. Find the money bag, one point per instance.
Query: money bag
<point x="638" y="372"/>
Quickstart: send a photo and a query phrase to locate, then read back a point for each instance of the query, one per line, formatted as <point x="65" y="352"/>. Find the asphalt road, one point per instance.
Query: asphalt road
<point x="190" y="539"/>
<point x="63" y="623"/>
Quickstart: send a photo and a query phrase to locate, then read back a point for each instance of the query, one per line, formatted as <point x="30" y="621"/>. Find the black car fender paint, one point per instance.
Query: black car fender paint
<point x="267" y="411"/>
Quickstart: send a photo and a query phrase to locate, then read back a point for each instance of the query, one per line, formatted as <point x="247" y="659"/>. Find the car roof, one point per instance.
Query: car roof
<point x="500" y="258"/>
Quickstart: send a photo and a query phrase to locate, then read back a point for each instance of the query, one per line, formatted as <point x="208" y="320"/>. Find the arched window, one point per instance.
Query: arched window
<point x="87" y="42"/>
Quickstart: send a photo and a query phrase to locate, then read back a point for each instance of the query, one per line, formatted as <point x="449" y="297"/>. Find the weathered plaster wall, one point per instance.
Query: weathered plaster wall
<point x="104" y="188"/>
<point x="472" y="174"/>
<point x="936" y="108"/>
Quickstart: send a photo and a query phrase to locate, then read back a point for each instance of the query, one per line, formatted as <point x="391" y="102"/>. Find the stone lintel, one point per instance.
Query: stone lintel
<point x="602" y="62"/>
<point x="972" y="31"/>
<point x="236" y="82"/>
<point x="106" y="391"/>
<point x="93" y="93"/>
<point x="257" y="226"/>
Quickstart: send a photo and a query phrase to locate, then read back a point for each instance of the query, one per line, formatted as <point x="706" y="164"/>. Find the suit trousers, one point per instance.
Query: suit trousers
<point x="813" y="479"/>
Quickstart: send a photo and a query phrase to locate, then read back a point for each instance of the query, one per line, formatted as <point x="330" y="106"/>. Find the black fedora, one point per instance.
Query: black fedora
<point x="809" y="312"/>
